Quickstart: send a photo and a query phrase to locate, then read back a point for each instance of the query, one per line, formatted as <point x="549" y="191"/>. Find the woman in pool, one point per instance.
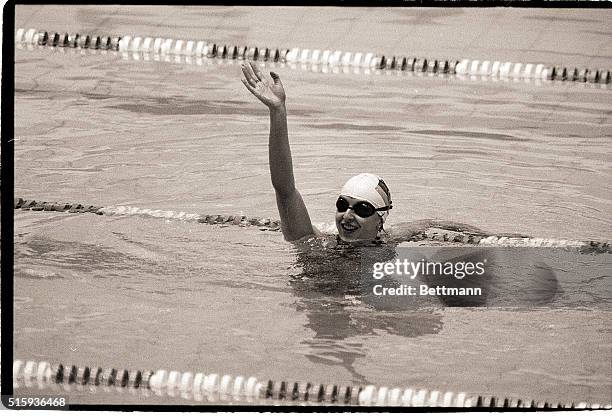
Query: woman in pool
<point x="362" y="206"/>
<point x="364" y="201"/>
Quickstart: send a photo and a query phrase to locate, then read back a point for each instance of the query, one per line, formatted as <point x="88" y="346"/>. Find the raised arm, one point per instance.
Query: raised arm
<point x="295" y="221"/>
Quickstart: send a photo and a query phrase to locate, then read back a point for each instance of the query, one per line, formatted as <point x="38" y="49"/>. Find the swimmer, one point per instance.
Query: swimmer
<point x="364" y="201"/>
<point x="362" y="208"/>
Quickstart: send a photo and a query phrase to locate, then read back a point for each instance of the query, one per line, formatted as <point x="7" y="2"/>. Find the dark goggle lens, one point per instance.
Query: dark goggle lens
<point x="342" y="205"/>
<point x="363" y="209"/>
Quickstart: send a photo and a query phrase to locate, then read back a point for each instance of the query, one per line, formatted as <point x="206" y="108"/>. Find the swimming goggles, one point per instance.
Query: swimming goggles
<point x="362" y="208"/>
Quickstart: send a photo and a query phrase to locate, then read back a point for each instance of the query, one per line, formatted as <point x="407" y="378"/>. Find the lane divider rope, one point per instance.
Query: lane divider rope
<point x="223" y="388"/>
<point x="330" y="58"/>
<point x="267" y="224"/>
<point x="315" y="68"/>
<point x="239" y="220"/>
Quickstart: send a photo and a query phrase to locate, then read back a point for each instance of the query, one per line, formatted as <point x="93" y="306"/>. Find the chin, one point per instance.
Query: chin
<point x="348" y="239"/>
<point x="351" y="238"/>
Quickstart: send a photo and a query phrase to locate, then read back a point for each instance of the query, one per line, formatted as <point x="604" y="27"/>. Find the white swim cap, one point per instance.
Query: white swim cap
<point x="370" y="188"/>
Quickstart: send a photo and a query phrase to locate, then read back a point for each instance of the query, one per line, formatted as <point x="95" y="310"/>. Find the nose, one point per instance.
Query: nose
<point x="349" y="214"/>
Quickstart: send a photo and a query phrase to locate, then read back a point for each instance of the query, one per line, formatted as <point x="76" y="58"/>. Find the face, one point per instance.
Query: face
<point x="351" y="227"/>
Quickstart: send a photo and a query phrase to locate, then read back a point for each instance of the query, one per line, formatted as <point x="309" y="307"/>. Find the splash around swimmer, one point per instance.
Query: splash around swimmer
<point x="364" y="201"/>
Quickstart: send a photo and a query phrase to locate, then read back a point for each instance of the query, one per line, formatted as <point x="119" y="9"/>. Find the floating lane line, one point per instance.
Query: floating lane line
<point x="267" y="224"/>
<point x="212" y="387"/>
<point x="205" y="49"/>
<point x="239" y="220"/>
<point x="310" y="67"/>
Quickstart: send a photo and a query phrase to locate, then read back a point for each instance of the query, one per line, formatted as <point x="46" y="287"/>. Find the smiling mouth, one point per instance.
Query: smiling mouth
<point x="348" y="228"/>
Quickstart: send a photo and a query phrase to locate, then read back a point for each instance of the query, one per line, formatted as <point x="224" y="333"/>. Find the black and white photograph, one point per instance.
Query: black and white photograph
<point x="306" y="208"/>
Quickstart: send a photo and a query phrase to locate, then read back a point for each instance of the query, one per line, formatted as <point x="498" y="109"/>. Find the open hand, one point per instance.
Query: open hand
<point x="271" y="94"/>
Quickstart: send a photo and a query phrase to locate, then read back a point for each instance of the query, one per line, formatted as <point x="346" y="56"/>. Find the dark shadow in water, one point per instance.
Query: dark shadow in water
<point x="96" y="261"/>
<point x="350" y="126"/>
<point x="335" y="299"/>
<point x="164" y="106"/>
<point x="329" y="290"/>
<point x="560" y="19"/>
<point x="472" y="135"/>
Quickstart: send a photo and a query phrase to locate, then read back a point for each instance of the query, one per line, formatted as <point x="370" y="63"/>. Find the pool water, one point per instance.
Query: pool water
<point x="508" y="157"/>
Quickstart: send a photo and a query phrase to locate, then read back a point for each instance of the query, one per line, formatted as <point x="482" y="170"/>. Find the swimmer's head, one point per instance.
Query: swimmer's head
<point x="362" y="207"/>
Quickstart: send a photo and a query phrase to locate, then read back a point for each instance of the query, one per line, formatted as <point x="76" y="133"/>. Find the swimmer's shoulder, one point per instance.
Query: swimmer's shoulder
<point x="406" y="231"/>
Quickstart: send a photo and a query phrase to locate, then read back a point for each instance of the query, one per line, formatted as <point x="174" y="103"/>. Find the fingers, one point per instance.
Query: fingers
<point x="249" y="75"/>
<point x="250" y="88"/>
<point x="257" y="72"/>
<point x="276" y="78"/>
